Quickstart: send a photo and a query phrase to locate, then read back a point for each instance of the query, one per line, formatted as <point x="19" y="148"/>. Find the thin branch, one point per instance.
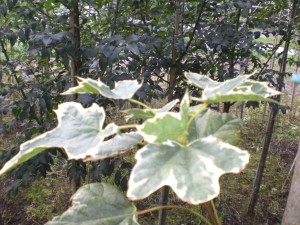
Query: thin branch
<point x="113" y="27"/>
<point x="194" y="31"/>
<point x="274" y="51"/>
<point x="12" y="70"/>
<point x="40" y="9"/>
<point x="4" y="51"/>
<point x="161" y="78"/>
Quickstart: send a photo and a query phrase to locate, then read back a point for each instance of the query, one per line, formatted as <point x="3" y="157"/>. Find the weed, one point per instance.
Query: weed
<point x="47" y="197"/>
<point x="39" y="209"/>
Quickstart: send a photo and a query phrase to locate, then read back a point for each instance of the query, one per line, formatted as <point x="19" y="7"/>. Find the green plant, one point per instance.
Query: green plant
<point x="39" y="208"/>
<point x="115" y="40"/>
<point x="187" y="150"/>
<point x="287" y="131"/>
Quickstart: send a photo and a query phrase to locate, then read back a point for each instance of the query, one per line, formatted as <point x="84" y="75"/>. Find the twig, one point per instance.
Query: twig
<point x="194" y="31"/>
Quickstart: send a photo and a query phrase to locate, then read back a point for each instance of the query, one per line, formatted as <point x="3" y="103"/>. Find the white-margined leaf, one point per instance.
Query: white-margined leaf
<point x="98" y="204"/>
<point x="200" y="81"/>
<point x="220" y="125"/>
<point x="163" y="127"/>
<point x="149" y="113"/>
<point x="240" y="88"/>
<point x="167" y="107"/>
<point x="192" y="171"/>
<point x="79" y="130"/>
<point x="185" y="107"/>
<point x="120" y="142"/>
<point x="143" y="114"/>
<point x="193" y="109"/>
<point x="123" y="89"/>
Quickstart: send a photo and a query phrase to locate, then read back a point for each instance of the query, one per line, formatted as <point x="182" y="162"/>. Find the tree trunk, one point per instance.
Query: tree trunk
<point x="164" y="193"/>
<point x="262" y="162"/>
<point x="116" y="13"/>
<point x="227" y="105"/>
<point x="75" y="30"/>
<point x="292" y="211"/>
<point x="232" y="55"/>
<point x="242" y="110"/>
<point x="164" y="198"/>
<point x="74" y="67"/>
<point x="272" y="117"/>
<point x="172" y="78"/>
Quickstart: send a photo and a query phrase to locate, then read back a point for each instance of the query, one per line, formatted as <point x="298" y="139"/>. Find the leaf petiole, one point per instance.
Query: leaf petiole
<point x="215" y="211"/>
<point x="201" y="108"/>
<point x="139" y="103"/>
<point x="201" y="217"/>
<point x="128" y="126"/>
